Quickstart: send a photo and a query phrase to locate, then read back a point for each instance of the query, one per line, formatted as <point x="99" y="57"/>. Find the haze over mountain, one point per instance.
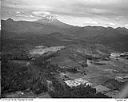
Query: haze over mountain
<point x="44" y="25"/>
<point x="51" y="26"/>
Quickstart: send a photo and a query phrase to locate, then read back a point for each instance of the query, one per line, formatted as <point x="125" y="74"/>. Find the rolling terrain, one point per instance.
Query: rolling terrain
<point x="39" y="57"/>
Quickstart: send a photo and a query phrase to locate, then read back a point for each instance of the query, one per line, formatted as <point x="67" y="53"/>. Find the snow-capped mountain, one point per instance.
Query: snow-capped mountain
<point x="52" y="20"/>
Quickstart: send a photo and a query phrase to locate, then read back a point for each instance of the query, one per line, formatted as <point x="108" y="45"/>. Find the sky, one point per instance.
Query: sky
<point x="113" y="13"/>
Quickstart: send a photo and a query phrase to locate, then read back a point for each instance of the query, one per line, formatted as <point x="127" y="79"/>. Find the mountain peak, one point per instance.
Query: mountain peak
<point x="50" y="17"/>
<point x="10" y="20"/>
<point x="123" y="28"/>
<point x="47" y="19"/>
<point x="52" y="20"/>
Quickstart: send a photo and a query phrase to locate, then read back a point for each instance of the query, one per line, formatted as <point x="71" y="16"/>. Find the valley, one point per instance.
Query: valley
<point x="44" y="61"/>
<point x="70" y="63"/>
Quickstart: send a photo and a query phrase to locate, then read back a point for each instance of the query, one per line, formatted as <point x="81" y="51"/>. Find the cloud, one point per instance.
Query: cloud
<point x="41" y="13"/>
<point x="105" y="12"/>
<point x="126" y="25"/>
<point x="18" y="12"/>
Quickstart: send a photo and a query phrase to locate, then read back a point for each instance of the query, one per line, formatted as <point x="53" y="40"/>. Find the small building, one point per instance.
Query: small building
<point x="77" y="82"/>
<point x="124" y="55"/>
<point x="114" y="55"/>
<point x="121" y="79"/>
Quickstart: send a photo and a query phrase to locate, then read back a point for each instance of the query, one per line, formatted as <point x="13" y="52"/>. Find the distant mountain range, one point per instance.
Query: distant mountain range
<point x="42" y="26"/>
<point x="50" y="26"/>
